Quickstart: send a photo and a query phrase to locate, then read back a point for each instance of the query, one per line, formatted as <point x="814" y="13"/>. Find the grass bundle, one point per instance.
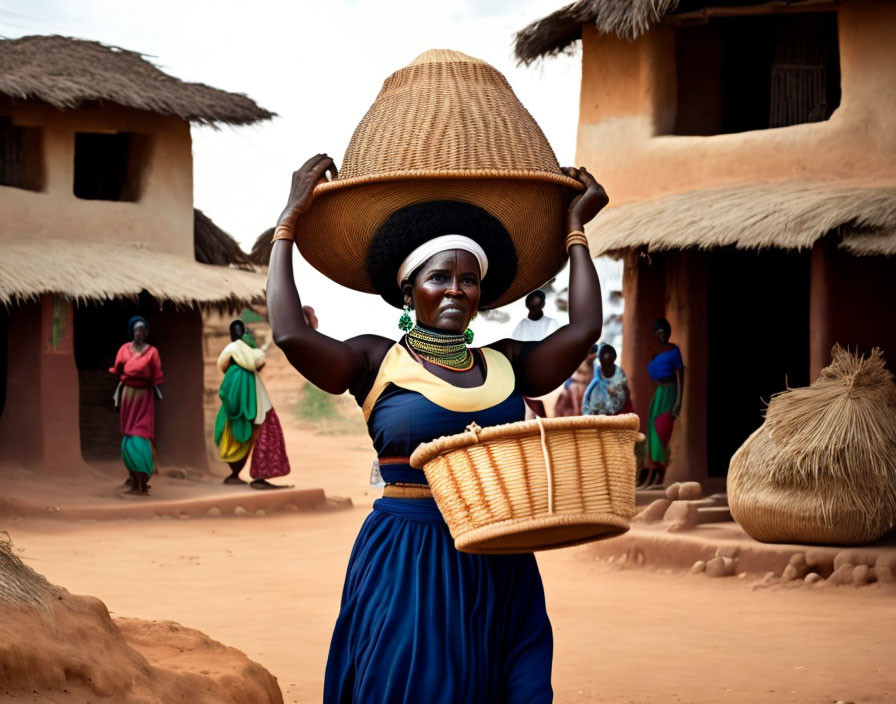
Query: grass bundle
<point x="19" y="584"/>
<point x="822" y="468"/>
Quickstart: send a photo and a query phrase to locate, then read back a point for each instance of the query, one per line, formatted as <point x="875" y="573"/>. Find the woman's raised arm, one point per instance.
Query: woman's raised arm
<point x="332" y="365"/>
<point x="550" y="362"/>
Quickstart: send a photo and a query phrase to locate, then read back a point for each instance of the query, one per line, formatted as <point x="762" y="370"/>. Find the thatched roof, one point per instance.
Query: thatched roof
<point x="97" y="271"/>
<point x="66" y="73"/>
<point x="211" y="245"/>
<point x="627" y="19"/>
<point x="261" y="250"/>
<point x="788" y="215"/>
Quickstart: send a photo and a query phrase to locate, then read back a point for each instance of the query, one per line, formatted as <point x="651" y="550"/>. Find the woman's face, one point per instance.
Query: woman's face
<point x="446" y="291"/>
<point x="140" y="333"/>
<point x="661" y="334"/>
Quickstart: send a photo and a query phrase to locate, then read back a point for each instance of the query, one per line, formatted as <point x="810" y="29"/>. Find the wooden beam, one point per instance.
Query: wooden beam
<point x="778" y="7"/>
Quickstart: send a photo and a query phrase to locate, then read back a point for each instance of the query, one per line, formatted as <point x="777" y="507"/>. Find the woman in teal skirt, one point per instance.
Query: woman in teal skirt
<point x="139" y="371"/>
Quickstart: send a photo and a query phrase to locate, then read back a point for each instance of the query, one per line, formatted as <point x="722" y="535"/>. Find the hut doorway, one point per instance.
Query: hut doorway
<point x="758" y="341"/>
<point x="100" y="329"/>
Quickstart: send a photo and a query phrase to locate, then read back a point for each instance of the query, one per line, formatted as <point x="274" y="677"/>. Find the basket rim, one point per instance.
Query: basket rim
<point x="475" y="435"/>
<point x="471" y="175"/>
<point x="467" y="541"/>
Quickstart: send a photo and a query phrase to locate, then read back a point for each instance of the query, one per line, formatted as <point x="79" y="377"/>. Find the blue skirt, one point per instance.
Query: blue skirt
<point x="423" y="623"/>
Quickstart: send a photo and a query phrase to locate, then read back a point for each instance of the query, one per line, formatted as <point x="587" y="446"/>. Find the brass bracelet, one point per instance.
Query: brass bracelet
<point x="576" y="238"/>
<point x="283" y="232"/>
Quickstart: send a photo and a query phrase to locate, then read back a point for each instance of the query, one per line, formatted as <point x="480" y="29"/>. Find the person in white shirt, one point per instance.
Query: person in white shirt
<point x="536" y="326"/>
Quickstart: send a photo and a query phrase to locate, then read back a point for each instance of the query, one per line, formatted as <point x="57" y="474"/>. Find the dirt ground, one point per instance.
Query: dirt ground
<point x="270" y="586"/>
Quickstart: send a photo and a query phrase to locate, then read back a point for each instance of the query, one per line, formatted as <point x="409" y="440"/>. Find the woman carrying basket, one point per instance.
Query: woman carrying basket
<point x="420" y="621"/>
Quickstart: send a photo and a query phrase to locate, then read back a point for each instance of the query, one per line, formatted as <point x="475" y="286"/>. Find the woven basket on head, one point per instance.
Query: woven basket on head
<point x="822" y="468"/>
<point x="445" y="127"/>
<point x="534" y="485"/>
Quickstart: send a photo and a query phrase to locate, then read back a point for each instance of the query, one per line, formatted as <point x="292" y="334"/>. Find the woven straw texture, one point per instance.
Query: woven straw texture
<point x="534" y="485"/>
<point x="822" y="468"/>
<point x="447" y="126"/>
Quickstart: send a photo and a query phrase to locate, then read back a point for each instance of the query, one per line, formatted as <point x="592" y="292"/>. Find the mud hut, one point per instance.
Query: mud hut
<point x="96" y="197"/>
<point x="749" y="151"/>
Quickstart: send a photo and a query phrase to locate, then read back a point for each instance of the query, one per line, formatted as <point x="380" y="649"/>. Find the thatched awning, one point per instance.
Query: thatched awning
<point x="627" y="19"/>
<point x="785" y="215"/>
<point x="66" y="73"/>
<point x="211" y="245"/>
<point x="98" y="271"/>
<point x="261" y="250"/>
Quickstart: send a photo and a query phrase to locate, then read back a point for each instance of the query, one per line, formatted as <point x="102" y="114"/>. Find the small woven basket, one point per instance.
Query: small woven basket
<point x="534" y="485"/>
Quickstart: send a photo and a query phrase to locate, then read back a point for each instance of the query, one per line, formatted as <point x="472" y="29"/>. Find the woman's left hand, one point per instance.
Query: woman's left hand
<point x="584" y="206"/>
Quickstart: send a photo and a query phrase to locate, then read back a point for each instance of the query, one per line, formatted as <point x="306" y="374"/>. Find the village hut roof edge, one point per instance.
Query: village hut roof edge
<point x="66" y="72"/>
<point x="627" y="19"/>
<point x="100" y="271"/>
<point x="782" y="215"/>
<point x="211" y="245"/>
<point x="261" y="250"/>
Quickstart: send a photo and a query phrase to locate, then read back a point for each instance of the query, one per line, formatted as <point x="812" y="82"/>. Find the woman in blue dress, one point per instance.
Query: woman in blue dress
<point x="420" y="621"/>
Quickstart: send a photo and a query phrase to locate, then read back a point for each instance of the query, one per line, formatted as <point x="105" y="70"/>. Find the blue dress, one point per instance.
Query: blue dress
<point x="421" y="622"/>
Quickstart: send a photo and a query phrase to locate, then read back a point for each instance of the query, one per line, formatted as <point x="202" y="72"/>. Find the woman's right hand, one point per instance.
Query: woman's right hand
<point x="312" y="172"/>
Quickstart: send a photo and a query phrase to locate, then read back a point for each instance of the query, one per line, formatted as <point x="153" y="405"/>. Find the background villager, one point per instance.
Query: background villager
<point x="536" y="325"/>
<point x="247" y="422"/>
<point x="569" y="402"/>
<point x="419" y="620"/>
<point x="607" y="393"/>
<point x="822" y="467"/>
<point x="139" y="370"/>
<point x="666" y="368"/>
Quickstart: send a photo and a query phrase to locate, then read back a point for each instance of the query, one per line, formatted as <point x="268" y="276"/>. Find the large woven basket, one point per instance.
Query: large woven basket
<point x="446" y="127"/>
<point x="534" y="485"/>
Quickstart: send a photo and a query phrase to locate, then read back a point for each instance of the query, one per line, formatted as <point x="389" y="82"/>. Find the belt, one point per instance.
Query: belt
<point x="406" y="491"/>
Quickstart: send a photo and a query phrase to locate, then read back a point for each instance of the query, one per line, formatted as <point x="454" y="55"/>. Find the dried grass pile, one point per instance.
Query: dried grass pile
<point x="822" y="468"/>
<point x="19" y="584"/>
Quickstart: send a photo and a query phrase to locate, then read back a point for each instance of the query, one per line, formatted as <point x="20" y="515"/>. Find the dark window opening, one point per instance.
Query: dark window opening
<point x="758" y="339"/>
<point x="109" y="166"/>
<point x="736" y="74"/>
<point x="21" y="160"/>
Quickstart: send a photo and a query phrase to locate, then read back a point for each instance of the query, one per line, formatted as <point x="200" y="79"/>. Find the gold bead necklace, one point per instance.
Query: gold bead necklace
<point x="443" y="349"/>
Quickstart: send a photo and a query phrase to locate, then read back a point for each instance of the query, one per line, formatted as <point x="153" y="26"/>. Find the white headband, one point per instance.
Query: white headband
<point x="441" y="244"/>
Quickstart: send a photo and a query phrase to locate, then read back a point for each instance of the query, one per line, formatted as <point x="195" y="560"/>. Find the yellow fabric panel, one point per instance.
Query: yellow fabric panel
<point x="401" y="369"/>
<point x="229" y="449"/>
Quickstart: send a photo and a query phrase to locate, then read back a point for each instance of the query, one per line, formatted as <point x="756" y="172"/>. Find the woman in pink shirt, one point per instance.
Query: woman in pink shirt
<point x="139" y="371"/>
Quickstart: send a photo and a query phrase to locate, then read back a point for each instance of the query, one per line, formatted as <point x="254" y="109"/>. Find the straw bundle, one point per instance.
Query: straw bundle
<point x="534" y="485"/>
<point x="19" y="584"/>
<point x="822" y="468"/>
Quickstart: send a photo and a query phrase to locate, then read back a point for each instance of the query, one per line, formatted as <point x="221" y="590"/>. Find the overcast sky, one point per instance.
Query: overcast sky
<point x="317" y="63"/>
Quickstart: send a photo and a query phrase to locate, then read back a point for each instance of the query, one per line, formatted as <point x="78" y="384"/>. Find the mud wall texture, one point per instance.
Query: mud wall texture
<point x="160" y="217"/>
<point x="629" y="102"/>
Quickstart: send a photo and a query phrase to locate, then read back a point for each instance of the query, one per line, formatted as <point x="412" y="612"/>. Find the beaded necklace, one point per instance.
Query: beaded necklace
<point x="448" y="350"/>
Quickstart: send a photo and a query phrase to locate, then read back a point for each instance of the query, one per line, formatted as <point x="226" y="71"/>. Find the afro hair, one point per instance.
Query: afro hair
<point x="408" y="228"/>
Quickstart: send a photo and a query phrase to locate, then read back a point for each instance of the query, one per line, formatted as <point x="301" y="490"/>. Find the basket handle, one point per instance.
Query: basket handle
<point x="474" y="429"/>
<point x="547" y="465"/>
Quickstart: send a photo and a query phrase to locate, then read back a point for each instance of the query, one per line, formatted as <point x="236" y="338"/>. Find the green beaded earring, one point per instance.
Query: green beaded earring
<point x="405" y="322"/>
<point x="468" y="333"/>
